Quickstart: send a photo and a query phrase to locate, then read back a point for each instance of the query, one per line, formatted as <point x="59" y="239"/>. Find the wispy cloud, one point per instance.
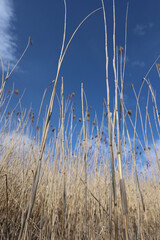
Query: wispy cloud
<point x="138" y="63"/>
<point x="141" y="29"/>
<point x="7" y="38"/>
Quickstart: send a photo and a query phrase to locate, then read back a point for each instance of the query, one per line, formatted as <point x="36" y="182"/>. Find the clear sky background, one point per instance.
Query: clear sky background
<point x="85" y="59"/>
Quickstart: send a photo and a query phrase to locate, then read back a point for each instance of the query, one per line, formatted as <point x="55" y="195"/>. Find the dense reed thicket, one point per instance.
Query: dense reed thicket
<point x="97" y="185"/>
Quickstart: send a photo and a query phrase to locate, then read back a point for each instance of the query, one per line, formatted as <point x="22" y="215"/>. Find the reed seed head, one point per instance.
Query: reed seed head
<point x="30" y="41"/>
<point x="53" y="129"/>
<point x="129" y="112"/>
<point x="16" y="91"/>
<point x="158" y="66"/>
<point x="120" y="50"/>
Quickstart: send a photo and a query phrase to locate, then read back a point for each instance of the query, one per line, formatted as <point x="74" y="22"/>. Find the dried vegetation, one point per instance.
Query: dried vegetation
<point x="97" y="185"/>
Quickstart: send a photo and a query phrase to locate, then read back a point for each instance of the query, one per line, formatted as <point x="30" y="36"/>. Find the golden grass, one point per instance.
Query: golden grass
<point x="47" y="220"/>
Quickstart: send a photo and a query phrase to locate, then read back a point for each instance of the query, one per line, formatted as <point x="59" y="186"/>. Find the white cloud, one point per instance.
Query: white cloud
<point x="141" y="29"/>
<point x="7" y="38"/>
<point x="138" y="64"/>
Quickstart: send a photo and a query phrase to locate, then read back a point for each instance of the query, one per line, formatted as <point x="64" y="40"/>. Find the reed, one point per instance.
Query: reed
<point x="92" y="188"/>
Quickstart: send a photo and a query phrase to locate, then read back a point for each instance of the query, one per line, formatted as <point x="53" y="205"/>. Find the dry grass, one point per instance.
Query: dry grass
<point x="104" y="186"/>
<point x="48" y="218"/>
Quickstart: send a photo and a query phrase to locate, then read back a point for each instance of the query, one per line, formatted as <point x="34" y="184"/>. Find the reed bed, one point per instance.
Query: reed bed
<point x="48" y="219"/>
<point x="101" y="184"/>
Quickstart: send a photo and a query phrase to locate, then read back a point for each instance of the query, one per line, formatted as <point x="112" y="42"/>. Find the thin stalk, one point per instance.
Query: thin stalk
<point x="109" y="115"/>
<point x="116" y="115"/>
<point x="2" y="66"/>
<point x="63" y="159"/>
<point x="44" y="94"/>
<point x="85" y="166"/>
<point x="7" y="212"/>
<point x="71" y="135"/>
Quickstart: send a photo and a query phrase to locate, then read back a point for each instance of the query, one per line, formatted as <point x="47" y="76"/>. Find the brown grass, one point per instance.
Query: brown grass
<point x="47" y="218"/>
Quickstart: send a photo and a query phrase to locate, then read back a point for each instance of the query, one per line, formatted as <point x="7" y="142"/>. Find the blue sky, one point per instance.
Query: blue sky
<point x="85" y="60"/>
